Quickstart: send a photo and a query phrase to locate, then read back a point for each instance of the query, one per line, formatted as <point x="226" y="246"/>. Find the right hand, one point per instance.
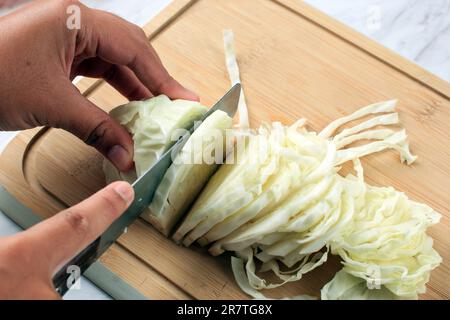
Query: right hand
<point x="30" y="259"/>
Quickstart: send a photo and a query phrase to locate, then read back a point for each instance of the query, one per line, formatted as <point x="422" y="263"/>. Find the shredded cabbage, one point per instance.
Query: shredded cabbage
<point x="291" y="207"/>
<point x="279" y="203"/>
<point x="347" y="287"/>
<point x="378" y="232"/>
<point x="386" y="243"/>
<point x="233" y="72"/>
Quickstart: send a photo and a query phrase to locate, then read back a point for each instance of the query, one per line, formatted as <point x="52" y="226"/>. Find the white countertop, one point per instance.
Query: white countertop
<point x="417" y="30"/>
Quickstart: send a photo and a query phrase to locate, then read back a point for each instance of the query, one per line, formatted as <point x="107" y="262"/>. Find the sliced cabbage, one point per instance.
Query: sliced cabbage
<point x="189" y="172"/>
<point x="235" y="185"/>
<point x="254" y="185"/>
<point x="280" y="204"/>
<point x="240" y="274"/>
<point x="347" y="287"/>
<point x="380" y="107"/>
<point x="250" y="281"/>
<point x="233" y="73"/>
<point x="386" y="242"/>
<point x="276" y="188"/>
<point x="290" y="206"/>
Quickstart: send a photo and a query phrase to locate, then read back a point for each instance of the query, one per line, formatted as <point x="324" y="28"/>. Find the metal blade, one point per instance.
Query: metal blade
<point x="228" y="103"/>
<point x="144" y="190"/>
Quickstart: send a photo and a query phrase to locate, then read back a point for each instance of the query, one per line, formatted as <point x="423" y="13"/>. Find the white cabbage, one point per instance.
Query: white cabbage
<point x="235" y="185"/>
<point x="152" y="124"/>
<point x="347" y="287"/>
<point x="280" y="204"/>
<point x="290" y="206"/>
<point x="187" y="175"/>
<point x="386" y="243"/>
<point x="234" y="75"/>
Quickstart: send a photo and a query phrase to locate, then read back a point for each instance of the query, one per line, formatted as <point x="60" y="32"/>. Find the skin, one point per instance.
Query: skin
<point x="39" y="57"/>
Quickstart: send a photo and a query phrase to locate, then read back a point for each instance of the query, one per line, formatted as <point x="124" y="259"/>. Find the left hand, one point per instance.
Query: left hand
<point x="40" y="55"/>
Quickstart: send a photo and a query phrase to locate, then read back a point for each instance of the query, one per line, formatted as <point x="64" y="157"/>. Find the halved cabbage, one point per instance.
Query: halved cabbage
<point x="152" y="124"/>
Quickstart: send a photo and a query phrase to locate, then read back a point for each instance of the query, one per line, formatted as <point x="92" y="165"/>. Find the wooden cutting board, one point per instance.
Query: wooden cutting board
<point x="295" y="62"/>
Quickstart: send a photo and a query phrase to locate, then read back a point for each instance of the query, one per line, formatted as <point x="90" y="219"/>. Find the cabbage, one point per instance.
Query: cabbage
<point x="189" y="172"/>
<point x="380" y="107"/>
<point x="285" y="205"/>
<point x="234" y="186"/>
<point x="386" y="242"/>
<point x="255" y="184"/>
<point x="152" y="124"/>
<point x="279" y="203"/>
<point x="233" y="73"/>
<point x="347" y="287"/>
<point x="112" y="174"/>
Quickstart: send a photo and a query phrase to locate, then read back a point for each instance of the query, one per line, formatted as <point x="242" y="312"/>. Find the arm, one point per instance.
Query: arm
<point x="40" y="56"/>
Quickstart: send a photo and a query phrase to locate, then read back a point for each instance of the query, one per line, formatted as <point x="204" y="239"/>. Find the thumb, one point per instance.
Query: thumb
<point x="94" y="126"/>
<point x="59" y="238"/>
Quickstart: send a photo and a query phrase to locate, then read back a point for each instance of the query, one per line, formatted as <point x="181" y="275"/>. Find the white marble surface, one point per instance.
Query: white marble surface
<point x="136" y="11"/>
<point x="416" y="29"/>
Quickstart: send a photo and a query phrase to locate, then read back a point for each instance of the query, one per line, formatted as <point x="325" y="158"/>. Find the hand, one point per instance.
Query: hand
<point x="39" y="56"/>
<point x="29" y="260"/>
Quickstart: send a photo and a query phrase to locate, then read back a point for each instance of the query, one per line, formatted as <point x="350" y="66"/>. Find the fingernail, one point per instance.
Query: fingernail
<point x="192" y="95"/>
<point x="119" y="157"/>
<point x="125" y="191"/>
<point x="196" y="96"/>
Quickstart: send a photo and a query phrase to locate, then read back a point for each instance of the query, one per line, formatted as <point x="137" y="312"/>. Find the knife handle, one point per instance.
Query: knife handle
<point x="72" y="271"/>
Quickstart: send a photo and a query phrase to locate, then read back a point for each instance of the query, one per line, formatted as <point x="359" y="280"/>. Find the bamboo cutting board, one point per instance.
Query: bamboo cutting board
<point x="295" y="62"/>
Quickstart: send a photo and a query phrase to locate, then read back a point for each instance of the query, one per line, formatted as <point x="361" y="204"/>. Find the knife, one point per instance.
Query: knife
<point x="144" y="189"/>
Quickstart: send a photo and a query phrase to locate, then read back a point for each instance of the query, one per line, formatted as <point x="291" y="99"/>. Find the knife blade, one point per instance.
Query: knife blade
<point x="144" y="189"/>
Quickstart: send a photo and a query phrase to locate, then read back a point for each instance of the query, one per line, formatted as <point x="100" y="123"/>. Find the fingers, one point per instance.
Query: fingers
<point x="121" y="43"/>
<point x="120" y="77"/>
<point x="94" y="126"/>
<point x="150" y="71"/>
<point x="126" y="82"/>
<point x="61" y="237"/>
<point x="36" y="289"/>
